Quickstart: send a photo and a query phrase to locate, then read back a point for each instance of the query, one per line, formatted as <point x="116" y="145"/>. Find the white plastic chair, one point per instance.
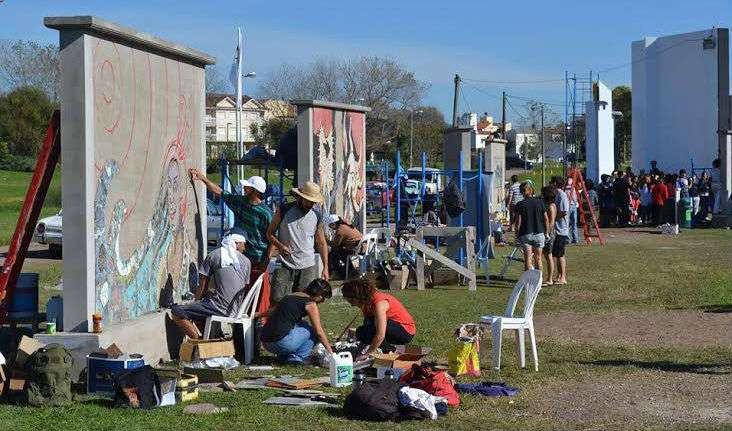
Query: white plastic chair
<point x="530" y="285"/>
<point x="244" y="316"/>
<point x="366" y="250"/>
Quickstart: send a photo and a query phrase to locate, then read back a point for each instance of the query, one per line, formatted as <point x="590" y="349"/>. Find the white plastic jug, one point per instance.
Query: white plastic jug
<point x="341" y="369"/>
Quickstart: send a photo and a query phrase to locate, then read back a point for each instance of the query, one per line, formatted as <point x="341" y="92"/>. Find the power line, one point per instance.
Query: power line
<point x="465" y="99"/>
<point x="535" y="81"/>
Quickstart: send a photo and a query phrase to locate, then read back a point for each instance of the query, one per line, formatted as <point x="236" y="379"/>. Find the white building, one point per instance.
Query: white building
<point x="600" y="134"/>
<point x="221" y="116"/>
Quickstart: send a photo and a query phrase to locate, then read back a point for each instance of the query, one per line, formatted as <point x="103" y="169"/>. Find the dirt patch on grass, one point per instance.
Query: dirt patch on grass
<point x="643" y="399"/>
<point x="647" y="328"/>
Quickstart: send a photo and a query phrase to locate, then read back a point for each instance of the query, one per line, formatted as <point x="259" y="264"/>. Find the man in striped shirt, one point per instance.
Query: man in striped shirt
<point x="250" y="214"/>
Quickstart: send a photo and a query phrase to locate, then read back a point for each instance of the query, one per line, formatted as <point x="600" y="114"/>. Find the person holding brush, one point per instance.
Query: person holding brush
<point x="386" y="321"/>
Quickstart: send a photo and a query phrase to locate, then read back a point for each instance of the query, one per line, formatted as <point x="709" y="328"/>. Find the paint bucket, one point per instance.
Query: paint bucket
<point x="24" y="303"/>
<point x="50" y="328"/>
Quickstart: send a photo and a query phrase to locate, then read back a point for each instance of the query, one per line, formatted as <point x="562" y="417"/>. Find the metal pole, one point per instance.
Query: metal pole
<point x="411" y="135"/>
<point x="479" y="243"/>
<point x="574" y="118"/>
<point x="566" y="125"/>
<point x="543" y="153"/>
<point x="455" y="101"/>
<point x="460" y="180"/>
<point x="224" y="168"/>
<point x="503" y="115"/>
<point x="397" y="185"/>
<point x="388" y="199"/>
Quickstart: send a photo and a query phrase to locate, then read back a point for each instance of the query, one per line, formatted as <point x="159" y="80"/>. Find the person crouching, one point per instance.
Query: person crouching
<point x="222" y="278"/>
<point x="386" y="321"/>
<point x="286" y="335"/>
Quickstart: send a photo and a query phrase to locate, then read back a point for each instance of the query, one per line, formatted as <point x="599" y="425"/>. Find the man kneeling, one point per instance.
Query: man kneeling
<point x="222" y="278"/>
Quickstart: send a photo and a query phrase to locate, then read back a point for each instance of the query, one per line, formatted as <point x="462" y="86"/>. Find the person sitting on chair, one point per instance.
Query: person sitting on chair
<point x="345" y="241"/>
<point x="222" y="278"/>
<point x="385" y="320"/>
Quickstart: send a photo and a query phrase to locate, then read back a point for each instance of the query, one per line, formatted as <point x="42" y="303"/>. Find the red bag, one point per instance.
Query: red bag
<point x="436" y="383"/>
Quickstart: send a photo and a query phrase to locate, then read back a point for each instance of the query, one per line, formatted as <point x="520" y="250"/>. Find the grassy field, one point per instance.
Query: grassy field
<point x="13" y="187"/>
<point x="617" y="382"/>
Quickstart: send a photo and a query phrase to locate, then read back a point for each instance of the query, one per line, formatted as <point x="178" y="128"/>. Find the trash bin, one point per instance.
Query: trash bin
<point x="686" y="212"/>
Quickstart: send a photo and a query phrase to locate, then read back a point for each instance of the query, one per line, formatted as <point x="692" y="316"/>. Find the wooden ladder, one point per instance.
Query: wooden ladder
<point x="583" y="197"/>
<point x="34" y="198"/>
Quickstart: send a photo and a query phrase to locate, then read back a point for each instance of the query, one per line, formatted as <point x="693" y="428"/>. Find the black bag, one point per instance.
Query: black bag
<point x="374" y="400"/>
<point x="137" y="388"/>
<point x="454" y="199"/>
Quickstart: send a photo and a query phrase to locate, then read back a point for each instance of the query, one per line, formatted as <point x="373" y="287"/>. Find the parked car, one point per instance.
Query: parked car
<point x="516" y="162"/>
<point x="433" y="180"/>
<point x="213" y="221"/>
<point x="48" y="232"/>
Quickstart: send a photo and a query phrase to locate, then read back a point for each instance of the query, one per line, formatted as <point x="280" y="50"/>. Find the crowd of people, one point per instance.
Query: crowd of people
<point x="650" y="198"/>
<point x="284" y="248"/>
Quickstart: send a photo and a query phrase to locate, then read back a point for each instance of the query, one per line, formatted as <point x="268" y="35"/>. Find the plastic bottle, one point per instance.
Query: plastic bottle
<point x="341" y="369"/>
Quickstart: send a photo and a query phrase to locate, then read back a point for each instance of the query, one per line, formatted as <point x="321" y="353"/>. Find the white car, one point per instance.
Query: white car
<point x="48" y="232"/>
<point x="213" y="221"/>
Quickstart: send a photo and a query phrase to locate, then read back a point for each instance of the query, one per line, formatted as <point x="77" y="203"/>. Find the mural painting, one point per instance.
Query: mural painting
<point x="339" y="163"/>
<point x="147" y="133"/>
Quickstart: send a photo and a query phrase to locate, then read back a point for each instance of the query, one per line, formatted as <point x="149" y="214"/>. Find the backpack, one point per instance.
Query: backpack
<point x="453" y="199"/>
<point x="49" y="382"/>
<point x="374" y="400"/>
<point x="137" y="388"/>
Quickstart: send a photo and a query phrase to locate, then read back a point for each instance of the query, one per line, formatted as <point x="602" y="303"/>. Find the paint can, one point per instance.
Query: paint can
<point x="97" y="323"/>
<point x="50" y="328"/>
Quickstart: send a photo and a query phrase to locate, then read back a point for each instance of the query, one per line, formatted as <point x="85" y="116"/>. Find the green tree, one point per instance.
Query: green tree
<point x="24" y="115"/>
<point x="622" y="102"/>
<point x="269" y="133"/>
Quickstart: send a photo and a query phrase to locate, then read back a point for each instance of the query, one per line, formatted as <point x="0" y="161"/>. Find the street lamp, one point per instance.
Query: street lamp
<point x="411" y="132"/>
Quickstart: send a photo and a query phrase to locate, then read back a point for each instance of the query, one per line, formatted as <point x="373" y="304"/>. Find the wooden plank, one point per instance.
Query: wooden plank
<point x="441" y="230"/>
<point x="420" y="264"/>
<point x="442" y="259"/>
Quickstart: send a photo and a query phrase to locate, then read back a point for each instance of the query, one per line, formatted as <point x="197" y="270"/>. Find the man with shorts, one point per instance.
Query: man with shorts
<point x="561" y="230"/>
<point x="222" y="278"/>
<point x="296" y="231"/>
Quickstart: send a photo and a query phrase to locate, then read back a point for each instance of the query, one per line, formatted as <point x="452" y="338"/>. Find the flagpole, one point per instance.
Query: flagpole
<point x="240" y="137"/>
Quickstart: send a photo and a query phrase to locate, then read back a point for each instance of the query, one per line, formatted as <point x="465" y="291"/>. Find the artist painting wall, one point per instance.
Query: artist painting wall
<point x="600" y="134"/>
<point x="332" y="153"/>
<point x="132" y="116"/>
<point x="680" y="87"/>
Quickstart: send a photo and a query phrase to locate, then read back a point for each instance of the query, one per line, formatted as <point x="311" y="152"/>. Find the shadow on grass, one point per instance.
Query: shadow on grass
<point x="713" y="308"/>
<point x="667" y="366"/>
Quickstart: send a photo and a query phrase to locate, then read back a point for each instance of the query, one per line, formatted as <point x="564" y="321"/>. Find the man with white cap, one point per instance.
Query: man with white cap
<point x="222" y="278"/>
<point x="296" y="231"/>
<point x="250" y="214"/>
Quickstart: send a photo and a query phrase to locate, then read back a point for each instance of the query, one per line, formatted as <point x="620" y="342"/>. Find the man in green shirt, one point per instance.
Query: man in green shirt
<point x="250" y="214"/>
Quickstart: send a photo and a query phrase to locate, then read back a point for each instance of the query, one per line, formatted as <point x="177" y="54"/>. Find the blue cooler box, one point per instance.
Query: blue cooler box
<point x="100" y="371"/>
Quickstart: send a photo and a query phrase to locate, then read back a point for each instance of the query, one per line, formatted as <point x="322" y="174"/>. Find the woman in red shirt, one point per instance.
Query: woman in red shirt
<point x="385" y="320"/>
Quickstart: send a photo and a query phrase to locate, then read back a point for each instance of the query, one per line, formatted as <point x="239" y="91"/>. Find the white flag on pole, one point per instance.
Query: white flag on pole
<point x="235" y="74"/>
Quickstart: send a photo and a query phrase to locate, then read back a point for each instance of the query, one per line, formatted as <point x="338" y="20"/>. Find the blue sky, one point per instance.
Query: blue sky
<point x="481" y="40"/>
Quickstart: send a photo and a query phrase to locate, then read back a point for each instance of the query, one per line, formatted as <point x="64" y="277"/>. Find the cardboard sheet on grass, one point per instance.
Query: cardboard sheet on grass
<point x="193" y="350"/>
<point x="400" y="360"/>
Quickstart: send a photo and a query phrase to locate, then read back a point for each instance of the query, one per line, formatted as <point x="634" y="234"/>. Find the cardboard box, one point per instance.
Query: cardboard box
<point x="400" y="360"/>
<point x="26" y="348"/>
<point x="193" y="350"/>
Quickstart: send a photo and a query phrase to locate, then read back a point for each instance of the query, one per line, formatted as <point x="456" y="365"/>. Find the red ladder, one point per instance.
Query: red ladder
<point x="583" y="197"/>
<point x="34" y="198"/>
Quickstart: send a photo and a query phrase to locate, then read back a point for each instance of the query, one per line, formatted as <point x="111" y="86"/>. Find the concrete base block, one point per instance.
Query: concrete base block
<point x="153" y="335"/>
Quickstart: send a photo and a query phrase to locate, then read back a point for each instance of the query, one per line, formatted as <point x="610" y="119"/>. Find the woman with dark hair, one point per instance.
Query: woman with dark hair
<point x="385" y="320"/>
<point x="286" y="335"/>
<point x="549" y="196"/>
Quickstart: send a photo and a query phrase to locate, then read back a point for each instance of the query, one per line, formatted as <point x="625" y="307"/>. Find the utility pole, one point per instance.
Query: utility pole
<point x="411" y="135"/>
<point x="543" y="152"/>
<point x="503" y="116"/>
<point x="455" y="101"/>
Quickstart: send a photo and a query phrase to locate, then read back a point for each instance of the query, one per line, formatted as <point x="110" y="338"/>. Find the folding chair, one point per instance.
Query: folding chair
<point x="366" y="252"/>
